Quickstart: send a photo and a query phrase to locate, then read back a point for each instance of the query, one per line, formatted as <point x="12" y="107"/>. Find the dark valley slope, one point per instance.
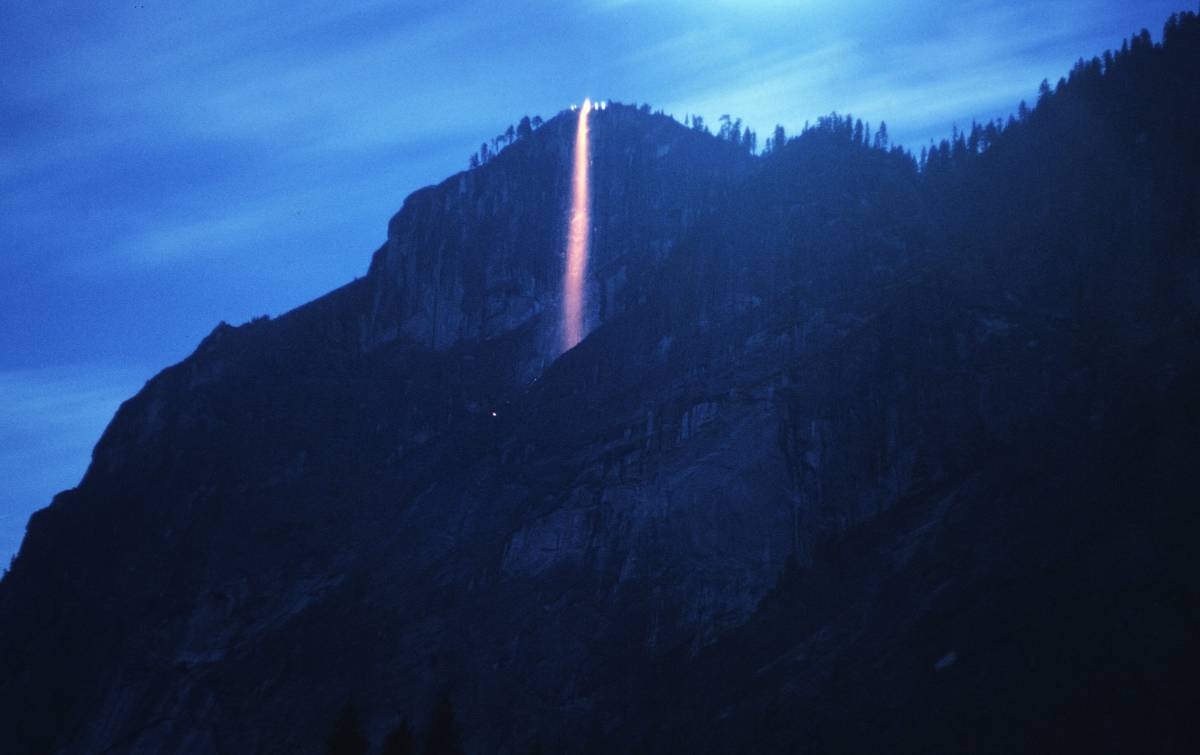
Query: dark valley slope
<point x="862" y="453"/>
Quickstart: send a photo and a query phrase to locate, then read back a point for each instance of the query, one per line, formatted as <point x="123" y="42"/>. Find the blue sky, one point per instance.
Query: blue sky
<point x="168" y="165"/>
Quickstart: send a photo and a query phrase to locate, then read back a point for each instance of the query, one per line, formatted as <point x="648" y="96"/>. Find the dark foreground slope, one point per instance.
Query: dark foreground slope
<point x="859" y="455"/>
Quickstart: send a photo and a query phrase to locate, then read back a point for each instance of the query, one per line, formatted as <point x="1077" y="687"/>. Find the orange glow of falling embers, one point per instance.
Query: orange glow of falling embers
<point x="578" y="235"/>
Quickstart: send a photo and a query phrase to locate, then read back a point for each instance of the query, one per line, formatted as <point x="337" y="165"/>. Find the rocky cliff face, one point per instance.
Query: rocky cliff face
<point x="482" y="254"/>
<point x="833" y="414"/>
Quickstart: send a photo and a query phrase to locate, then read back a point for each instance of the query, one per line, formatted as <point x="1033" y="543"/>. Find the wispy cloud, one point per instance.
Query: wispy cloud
<point x="922" y="68"/>
<point x="50" y="419"/>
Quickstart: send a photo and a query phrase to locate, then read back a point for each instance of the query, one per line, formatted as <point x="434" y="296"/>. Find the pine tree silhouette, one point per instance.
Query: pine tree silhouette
<point x="347" y="737"/>
<point x="399" y="741"/>
<point x="443" y="736"/>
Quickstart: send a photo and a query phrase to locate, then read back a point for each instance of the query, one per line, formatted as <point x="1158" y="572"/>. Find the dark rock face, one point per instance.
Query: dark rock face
<point x="482" y="254"/>
<point x="856" y="457"/>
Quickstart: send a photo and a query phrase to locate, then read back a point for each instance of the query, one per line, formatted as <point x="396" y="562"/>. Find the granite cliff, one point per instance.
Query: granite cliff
<point x="861" y="451"/>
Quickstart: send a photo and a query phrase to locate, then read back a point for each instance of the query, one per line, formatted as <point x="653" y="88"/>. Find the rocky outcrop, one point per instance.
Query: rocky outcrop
<point x="482" y="254"/>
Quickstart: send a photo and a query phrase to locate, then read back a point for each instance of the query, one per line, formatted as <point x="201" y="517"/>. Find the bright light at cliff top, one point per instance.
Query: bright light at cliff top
<point x="577" y="234"/>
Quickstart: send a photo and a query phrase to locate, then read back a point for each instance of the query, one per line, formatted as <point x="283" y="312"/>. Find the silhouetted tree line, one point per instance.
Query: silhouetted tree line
<point x="731" y="130"/>
<point x="1089" y="92"/>
<point x="487" y="150"/>
<point x="998" y="207"/>
<point x="1087" y="80"/>
<point x="1120" y="132"/>
<point x="441" y="736"/>
<point x="735" y="132"/>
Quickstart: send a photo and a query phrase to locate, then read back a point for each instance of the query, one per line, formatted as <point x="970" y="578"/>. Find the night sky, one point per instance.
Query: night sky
<point x="165" y="167"/>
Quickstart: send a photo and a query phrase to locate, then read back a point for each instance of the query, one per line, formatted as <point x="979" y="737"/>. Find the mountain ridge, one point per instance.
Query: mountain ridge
<point x="401" y="491"/>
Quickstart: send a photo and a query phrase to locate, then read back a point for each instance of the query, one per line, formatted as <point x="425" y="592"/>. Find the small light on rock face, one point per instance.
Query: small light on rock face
<point x="493" y="414"/>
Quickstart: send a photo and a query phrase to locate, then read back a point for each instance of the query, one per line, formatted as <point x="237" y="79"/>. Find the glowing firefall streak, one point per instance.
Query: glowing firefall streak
<point x="577" y="235"/>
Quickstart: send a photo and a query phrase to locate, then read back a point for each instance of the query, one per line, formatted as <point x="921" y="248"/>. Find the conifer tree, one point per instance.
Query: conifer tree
<point x="443" y="736"/>
<point x="399" y="741"/>
<point x="881" y="136"/>
<point x="347" y="737"/>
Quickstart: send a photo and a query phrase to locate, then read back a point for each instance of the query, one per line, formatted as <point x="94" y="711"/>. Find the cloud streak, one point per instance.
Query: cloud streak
<point x="49" y="421"/>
